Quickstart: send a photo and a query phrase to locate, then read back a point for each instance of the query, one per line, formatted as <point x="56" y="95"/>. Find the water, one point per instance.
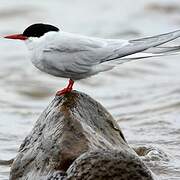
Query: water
<point x="144" y="96"/>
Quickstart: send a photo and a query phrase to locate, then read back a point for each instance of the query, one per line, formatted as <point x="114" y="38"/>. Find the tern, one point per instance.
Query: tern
<point x="76" y="57"/>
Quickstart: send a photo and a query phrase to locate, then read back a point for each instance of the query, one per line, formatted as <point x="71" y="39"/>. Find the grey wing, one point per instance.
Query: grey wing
<point x="78" y="54"/>
<point x="145" y="47"/>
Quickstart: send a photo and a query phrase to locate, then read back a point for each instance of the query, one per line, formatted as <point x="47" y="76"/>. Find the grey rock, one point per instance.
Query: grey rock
<point x="109" y="165"/>
<point x="76" y="138"/>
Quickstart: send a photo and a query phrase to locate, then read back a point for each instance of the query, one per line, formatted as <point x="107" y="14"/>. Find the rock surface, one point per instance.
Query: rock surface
<point x="76" y="138"/>
<point x="111" y="165"/>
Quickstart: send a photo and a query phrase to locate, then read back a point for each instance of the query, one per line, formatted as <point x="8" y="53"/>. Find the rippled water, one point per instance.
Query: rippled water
<point x="144" y="96"/>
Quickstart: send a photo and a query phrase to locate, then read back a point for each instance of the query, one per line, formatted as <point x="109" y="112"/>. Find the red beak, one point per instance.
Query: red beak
<point x="16" y="36"/>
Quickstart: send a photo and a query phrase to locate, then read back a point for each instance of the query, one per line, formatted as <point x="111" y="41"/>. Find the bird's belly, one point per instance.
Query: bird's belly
<point x="44" y="67"/>
<point x="63" y="72"/>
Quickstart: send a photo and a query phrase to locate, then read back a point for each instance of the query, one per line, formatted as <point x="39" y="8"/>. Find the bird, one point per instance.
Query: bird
<point x="77" y="57"/>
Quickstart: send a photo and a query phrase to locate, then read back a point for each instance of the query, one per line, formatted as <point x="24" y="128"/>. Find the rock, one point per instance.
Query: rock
<point x="76" y="138"/>
<point x="150" y="153"/>
<point x="109" y="165"/>
<point x="6" y="162"/>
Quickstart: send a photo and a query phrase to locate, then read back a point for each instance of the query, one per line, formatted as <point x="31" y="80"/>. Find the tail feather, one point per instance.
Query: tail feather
<point x="143" y="48"/>
<point x="151" y="52"/>
<point x="155" y="52"/>
<point x="143" y="44"/>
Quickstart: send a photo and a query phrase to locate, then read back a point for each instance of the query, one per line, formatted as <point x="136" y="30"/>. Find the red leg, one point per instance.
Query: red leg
<point x="67" y="89"/>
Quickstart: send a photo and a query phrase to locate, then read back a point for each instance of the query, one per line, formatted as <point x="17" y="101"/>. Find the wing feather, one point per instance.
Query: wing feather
<point x="75" y="54"/>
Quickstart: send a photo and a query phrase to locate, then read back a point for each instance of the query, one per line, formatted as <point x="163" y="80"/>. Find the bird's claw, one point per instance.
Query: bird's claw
<point x="63" y="91"/>
<point x="66" y="90"/>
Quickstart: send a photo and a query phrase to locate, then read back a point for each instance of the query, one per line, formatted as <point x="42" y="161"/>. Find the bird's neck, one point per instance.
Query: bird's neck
<point x="31" y="43"/>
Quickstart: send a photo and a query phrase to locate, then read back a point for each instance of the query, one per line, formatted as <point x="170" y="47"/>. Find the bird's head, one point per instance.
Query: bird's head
<point x="34" y="30"/>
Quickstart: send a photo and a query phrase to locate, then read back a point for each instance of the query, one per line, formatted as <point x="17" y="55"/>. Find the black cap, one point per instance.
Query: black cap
<point x="38" y="30"/>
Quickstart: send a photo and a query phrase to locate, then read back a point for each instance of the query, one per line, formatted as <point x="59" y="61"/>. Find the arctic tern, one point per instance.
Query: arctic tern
<point x="76" y="57"/>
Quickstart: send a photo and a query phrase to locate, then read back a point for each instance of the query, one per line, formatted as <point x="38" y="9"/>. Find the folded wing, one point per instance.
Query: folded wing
<point x="78" y="54"/>
<point x="145" y="47"/>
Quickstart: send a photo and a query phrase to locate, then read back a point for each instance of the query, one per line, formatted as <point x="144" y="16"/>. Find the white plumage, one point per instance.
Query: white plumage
<point x="76" y="57"/>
